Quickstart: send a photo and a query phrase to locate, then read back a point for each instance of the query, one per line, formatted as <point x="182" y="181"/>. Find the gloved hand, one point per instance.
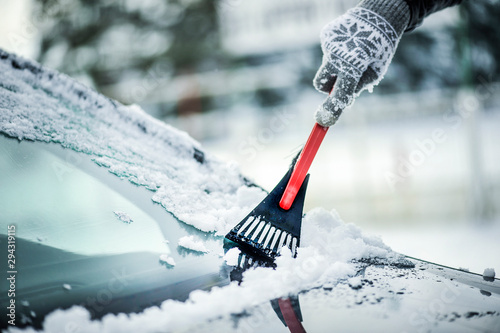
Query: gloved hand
<point x="357" y="49"/>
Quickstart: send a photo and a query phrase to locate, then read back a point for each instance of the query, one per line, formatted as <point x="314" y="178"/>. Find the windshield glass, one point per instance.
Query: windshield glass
<point x="54" y="202"/>
<point x="81" y="235"/>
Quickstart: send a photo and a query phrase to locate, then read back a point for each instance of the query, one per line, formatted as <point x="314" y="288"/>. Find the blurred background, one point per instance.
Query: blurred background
<point x="416" y="161"/>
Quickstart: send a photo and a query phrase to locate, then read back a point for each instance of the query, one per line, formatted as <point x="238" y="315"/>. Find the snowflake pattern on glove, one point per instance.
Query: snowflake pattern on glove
<point x="357" y="50"/>
<point x="360" y="40"/>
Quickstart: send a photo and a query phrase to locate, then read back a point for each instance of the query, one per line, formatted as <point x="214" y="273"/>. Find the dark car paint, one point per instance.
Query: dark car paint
<point x="131" y="282"/>
<point x="391" y="298"/>
<point x="102" y="284"/>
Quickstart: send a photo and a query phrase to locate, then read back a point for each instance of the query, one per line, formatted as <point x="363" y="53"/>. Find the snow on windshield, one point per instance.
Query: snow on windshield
<point x="42" y="105"/>
<point x="39" y="104"/>
<point x="329" y="248"/>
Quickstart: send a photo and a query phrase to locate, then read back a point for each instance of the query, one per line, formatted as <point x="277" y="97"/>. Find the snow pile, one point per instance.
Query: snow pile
<point x="167" y="260"/>
<point x="231" y="256"/>
<point x="189" y="243"/>
<point x="489" y="273"/>
<point x="39" y="104"/>
<point x="355" y="282"/>
<point x="330" y="254"/>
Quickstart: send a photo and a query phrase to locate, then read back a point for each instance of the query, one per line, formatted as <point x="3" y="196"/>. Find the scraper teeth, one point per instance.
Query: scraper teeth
<point x="281" y="241"/>
<point x="275" y="239"/>
<point x="264" y="234"/>
<point x="287" y="241"/>
<point x="245" y="225"/>
<point x="251" y="228"/>
<point x="294" y="246"/>
<point x="241" y="260"/>
<point x="257" y="231"/>
<point x="268" y="237"/>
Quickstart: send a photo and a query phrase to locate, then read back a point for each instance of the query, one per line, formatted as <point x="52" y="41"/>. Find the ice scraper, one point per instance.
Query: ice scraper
<point x="277" y="220"/>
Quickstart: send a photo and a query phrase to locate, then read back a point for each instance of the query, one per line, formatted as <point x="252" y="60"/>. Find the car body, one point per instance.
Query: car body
<point x="96" y="197"/>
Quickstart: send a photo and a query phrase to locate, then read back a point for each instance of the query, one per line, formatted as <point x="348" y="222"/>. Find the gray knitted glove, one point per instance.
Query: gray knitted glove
<point x="357" y="49"/>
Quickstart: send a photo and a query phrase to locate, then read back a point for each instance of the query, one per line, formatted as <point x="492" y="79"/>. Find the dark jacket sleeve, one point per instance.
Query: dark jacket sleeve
<point x="419" y="9"/>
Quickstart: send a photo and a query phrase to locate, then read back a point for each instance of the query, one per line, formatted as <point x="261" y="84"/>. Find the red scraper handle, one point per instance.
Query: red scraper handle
<point x="302" y="166"/>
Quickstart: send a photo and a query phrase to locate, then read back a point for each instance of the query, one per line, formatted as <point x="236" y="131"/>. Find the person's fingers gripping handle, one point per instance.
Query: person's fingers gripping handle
<point x="357" y="50"/>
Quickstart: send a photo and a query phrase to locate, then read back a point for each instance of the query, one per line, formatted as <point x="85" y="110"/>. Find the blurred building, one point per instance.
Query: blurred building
<point x="271" y="51"/>
<point x="264" y="27"/>
<point x="384" y="164"/>
<point x="237" y="76"/>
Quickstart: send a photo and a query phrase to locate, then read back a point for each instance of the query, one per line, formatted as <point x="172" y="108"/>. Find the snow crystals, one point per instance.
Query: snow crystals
<point x="189" y="243"/>
<point x="231" y="256"/>
<point x="167" y="260"/>
<point x="210" y="195"/>
<point x="42" y="105"/>
<point x="124" y="217"/>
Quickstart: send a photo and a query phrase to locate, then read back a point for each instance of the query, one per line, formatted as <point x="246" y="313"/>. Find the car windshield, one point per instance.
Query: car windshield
<point x="90" y="189"/>
<point x="83" y="236"/>
<point x="55" y="203"/>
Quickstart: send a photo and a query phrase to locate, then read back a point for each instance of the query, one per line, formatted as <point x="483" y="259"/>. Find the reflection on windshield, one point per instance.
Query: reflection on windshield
<point x="55" y="203"/>
<point x="287" y="308"/>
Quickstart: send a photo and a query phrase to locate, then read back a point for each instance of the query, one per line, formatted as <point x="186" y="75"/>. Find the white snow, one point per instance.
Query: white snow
<point x="355" y="282"/>
<point x="165" y="258"/>
<point x="247" y="197"/>
<point x="42" y="105"/>
<point x="188" y="242"/>
<point x="124" y="217"/>
<point x="489" y="272"/>
<point x="46" y="106"/>
<point x="231" y="256"/>
<point x="329" y="248"/>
